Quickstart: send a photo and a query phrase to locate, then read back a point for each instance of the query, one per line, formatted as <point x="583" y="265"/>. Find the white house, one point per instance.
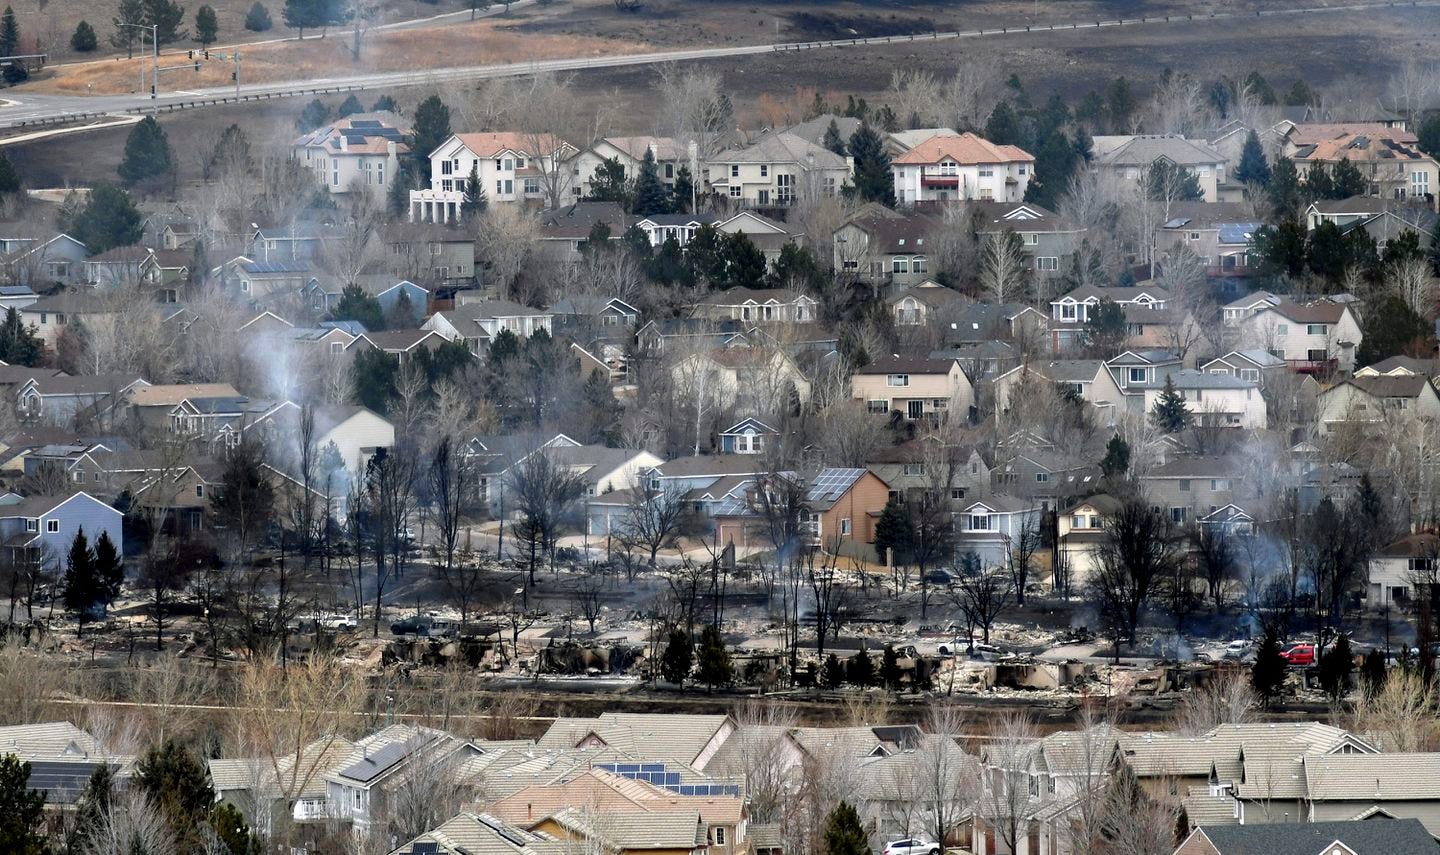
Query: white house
<point x="1378" y="399"/>
<point x="359" y="152"/>
<point x="778" y="170"/>
<point x="670" y="156"/>
<point x="513" y="168"/>
<point x="1396" y="569"/>
<point x="962" y="166"/>
<point x="477" y="324"/>
<point x="1217" y="399"/>
<point x="1313" y="338"/>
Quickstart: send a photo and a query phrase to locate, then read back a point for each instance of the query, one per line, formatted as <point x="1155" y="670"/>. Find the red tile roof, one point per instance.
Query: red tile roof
<point x="962" y="148"/>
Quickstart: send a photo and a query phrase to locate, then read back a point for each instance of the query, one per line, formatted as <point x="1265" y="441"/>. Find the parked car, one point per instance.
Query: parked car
<point x="1299" y="654"/>
<point x="911" y="846"/>
<point x="1237" y="649"/>
<point x="338" y="623"/>
<point x="425" y="626"/>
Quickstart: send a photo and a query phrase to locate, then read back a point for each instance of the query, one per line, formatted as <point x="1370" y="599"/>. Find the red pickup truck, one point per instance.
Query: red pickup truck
<point x="1300" y="654"/>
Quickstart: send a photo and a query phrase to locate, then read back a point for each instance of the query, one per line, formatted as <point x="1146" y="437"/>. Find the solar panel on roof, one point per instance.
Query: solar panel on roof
<point x="652" y="767"/>
<point x="425" y="849"/>
<point x="672" y="779"/>
<point x="63" y="781"/>
<point x="364" y="123"/>
<point x="377" y="763"/>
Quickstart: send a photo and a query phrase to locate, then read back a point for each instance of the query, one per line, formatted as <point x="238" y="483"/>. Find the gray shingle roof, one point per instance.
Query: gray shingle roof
<point x="1368" y="837"/>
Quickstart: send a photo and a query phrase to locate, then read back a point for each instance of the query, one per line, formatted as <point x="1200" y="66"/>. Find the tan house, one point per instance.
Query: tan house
<point x="777" y="170"/>
<point x="950" y="167"/>
<point x="759" y="380"/>
<point x="842" y="507"/>
<point x="1388" y="157"/>
<point x="1378" y="399"/>
<point x="758" y="305"/>
<point x="919" y="305"/>
<point x="1088" y="378"/>
<point x="1314" y="338"/>
<point x="919" y="388"/>
<point x="1129" y="157"/>
<point x="1082" y="534"/>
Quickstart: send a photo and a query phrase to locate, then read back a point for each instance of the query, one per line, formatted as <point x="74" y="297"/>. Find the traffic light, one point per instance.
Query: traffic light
<point x="190" y="55"/>
<point x="207" y="54"/>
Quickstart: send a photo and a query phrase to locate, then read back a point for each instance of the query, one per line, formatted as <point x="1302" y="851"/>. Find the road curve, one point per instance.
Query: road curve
<point x="39" y="110"/>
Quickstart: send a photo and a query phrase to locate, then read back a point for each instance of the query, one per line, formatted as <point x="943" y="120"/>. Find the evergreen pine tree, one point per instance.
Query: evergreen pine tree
<point x="384" y="104"/>
<point x="127" y="37"/>
<point x="1167" y="181"/>
<point x="1300" y="95"/>
<point x="1253" y="168"/>
<point x="83" y="40"/>
<point x="166" y="16"/>
<point x="1267" y="674"/>
<point x="833" y="140"/>
<point x="257" y="20"/>
<point x="890" y="668"/>
<point x="81" y="587"/>
<point x="744" y="262"/>
<point x="207" y="26"/>
<point x="397" y="198"/>
<point x="22" y="810"/>
<point x="860" y="670"/>
<point x="1318" y="184"/>
<point x="109" y="569"/>
<point x="832" y="673"/>
<point x="873" y="181"/>
<point x="1347" y="180"/>
<point x="609" y="183"/>
<point x="432" y="127"/>
<point x="650" y="194"/>
<point x="684" y="191"/>
<point x="357" y="305"/>
<point x="1336" y="665"/>
<point x="92" y="808"/>
<point x="893" y="534"/>
<point x="1117" y="457"/>
<point x="19" y="344"/>
<point x="9" y="178"/>
<point x="315" y="114"/>
<point x="1170" y="413"/>
<point x="109" y="219"/>
<point x="302" y="15"/>
<point x="1285" y="188"/>
<point x="1002" y="128"/>
<point x="147" y="153"/>
<point x="177" y="783"/>
<point x="676" y="661"/>
<point x="350" y="106"/>
<point x="9" y="33"/>
<point x="1373" y="673"/>
<point x="844" y="834"/>
<point x="714" y="665"/>
<point x="474" y="202"/>
<point x="229" y="825"/>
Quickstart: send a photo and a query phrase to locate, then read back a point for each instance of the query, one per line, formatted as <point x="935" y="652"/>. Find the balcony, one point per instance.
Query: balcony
<point x="1313" y="366"/>
<point x="937" y="180"/>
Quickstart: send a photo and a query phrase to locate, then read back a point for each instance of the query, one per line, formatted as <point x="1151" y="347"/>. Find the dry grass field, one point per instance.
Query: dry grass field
<point x="468" y="43"/>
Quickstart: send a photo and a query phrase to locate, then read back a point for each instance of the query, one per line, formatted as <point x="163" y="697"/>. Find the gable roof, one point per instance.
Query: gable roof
<point x="493" y="143"/>
<point x="1404" y="386"/>
<point x="966" y="148"/>
<point x="783" y="148"/>
<point x="1145" y="149"/>
<point x="896" y="364"/>
<point x="1370" y="837"/>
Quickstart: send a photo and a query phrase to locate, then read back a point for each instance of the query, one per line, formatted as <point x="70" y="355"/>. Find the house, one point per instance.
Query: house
<point x="747" y="436"/>
<point x="962" y="166"/>
<point x="919" y="388"/>
<point x="1378" y="399"/>
<point x="883" y="246"/>
<point x="777" y="170"/>
<point x="16" y="297"/>
<point x="493" y="458"/>
<point x="1081" y="535"/>
<point x="1241" y="308"/>
<point x="756" y="379"/>
<point x="1381" y="218"/>
<point x="1091" y="379"/>
<point x="173" y="495"/>
<point x="1377" y="836"/>
<point x="565" y="231"/>
<point x="841" y="507"/>
<point x="594" y="315"/>
<point x="1037" y="473"/>
<point x="405" y="293"/>
<point x="988" y="527"/>
<point x="602" y="469"/>
<point x="50" y="315"/>
<point x="657" y="336"/>
<point x="814" y="130"/>
<point x="923" y="464"/>
<point x="477" y="324"/>
<point x="401" y="344"/>
<point x="686" y="739"/>
<point x="1252" y="365"/>
<point x="1049" y="240"/>
<point x="363" y="784"/>
<point x="1219" y="234"/>
<point x="1390" y="159"/>
<point x="116" y="266"/>
<point x="356" y="152"/>
<point x="59" y="260"/>
<point x="978" y="323"/>
<point x="294" y="240"/>
<point x="41" y="529"/>
<point x="1215" y="399"/>
<point x="626" y="832"/>
<point x="1189" y="486"/>
<point x="255" y="786"/>
<point x="1398" y="569"/>
<point x="1136" y="372"/>
<point x="1129" y="157"/>
<point x="1070" y="312"/>
<point x="470" y="833"/>
<point x="429" y="254"/>
<point x="262" y="281"/>
<point x="513" y="168"/>
<point x="1313" y="338"/>
<point x="758" y="305"/>
<point x="767" y="235"/>
<point x="1397" y="785"/>
<point x="920" y="305"/>
<point x="59" y="399"/>
<point x="1401" y="366"/>
<point x="670" y="154"/>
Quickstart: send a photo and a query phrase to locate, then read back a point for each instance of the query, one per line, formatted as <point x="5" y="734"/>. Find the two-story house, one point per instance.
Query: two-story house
<point x="777" y="170"/>
<point x="361" y="788"/>
<point x="879" y="246"/>
<point x="989" y="527"/>
<point x="671" y="155"/>
<point x="1070" y="312"/>
<point x="354" y="153"/>
<point x="428" y="254"/>
<point x="918" y="388"/>
<point x="758" y="306"/>
<point x="1252" y="365"/>
<point x="39" y="530"/>
<point x="60" y="260"/>
<point x="1217" y="399"/>
<point x="1218" y="234"/>
<point x="949" y="167"/>
<point x="1049" y="240"/>
<point x="477" y="324"/>
<point x="1129" y="157"/>
<point x="513" y="168"/>
<point x="840" y="509"/>
<point x="1090" y="379"/>
<point x="1372" y="400"/>
<point x="1314" y="338"/>
<point x="920" y="305"/>
<point x="1188" y="487"/>
<point x="1390" y="159"/>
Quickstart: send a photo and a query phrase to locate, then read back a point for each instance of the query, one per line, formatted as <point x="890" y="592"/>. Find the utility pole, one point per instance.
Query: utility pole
<point x="154" y="30"/>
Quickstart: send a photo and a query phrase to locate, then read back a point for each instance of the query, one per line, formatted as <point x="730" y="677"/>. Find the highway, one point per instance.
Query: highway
<point x="34" y="112"/>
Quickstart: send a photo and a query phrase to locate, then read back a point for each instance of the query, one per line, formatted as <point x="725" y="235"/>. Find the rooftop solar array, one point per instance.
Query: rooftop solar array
<point x="425" y="849"/>
<point x="655" y="774"/>
<point x="831" y="484"/>
<point x="62" y="781"/>
<point x="377" y="763"/>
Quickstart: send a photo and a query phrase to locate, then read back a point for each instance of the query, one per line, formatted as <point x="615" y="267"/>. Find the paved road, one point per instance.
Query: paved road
<point x="36" y="110"/>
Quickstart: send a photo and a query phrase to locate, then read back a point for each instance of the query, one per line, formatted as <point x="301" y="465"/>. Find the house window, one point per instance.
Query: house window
<point x="897" y="380"/>
<point x="734" y="170"/>
<point x="877" y="407"/>
<point x="987" y="171"/>
<point x="447" y="168"/>
<point x="1077" y="521"/>
<point x="764" y="170"/>
<point x="1317" y="329"/>
<point x="915" y="469"/>
<point x="52" y="526"/>
<point x="1042" y="477"/>
<point x="720" y="830"/>
<point x="1047" y="262"/>
<point x="336" y="348"/>
<point x="1031" y="239"/>
<point x="1177" y="515"/>
<point x="1251" y="374"/>
<point x="78" y="475"/>
<point x="532" y="186"/>
<point x="509" y="187"/>
<point x="957" y="492"/>
<point x="32" y="525"/>
<point x="1138" y="375"/>
<point x="980" y="522"/>
<point x="1282" y="330"/>
<point x="735" y="191"/>
<point x="900" y="265"/>
<point x="845" y="526"/>
<point x="1419" y="183"/>
<point x="199" y="491"/>
<point x="1219" y="484"/>
<point x="509" y="164"/>
<point x="1034" y="783"/>
<point x="1184" y="485"/>
<point x="917" y="264"/>
<point x="1067" y="311"/>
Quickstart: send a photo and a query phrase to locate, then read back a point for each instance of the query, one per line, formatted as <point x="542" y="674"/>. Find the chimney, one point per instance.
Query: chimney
<point x="344" y="143"/>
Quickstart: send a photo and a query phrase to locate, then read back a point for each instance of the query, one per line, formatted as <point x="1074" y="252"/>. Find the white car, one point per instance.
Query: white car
<point x="911" y="846"/>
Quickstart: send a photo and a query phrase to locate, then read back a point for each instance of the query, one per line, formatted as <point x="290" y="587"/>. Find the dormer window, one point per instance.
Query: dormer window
<point x="1139" y="375"/>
